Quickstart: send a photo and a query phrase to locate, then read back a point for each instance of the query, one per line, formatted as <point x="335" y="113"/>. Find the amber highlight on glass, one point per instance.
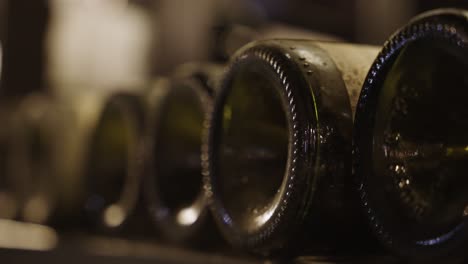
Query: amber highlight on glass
<point x="411" y="151"/>
<point x="177" y="107"/>
<point x="277" y="159"/>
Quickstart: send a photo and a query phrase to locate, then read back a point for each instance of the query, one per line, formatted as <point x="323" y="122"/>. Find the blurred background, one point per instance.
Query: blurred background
<point x="128" y="41"/>
<point x="61" y="46"/>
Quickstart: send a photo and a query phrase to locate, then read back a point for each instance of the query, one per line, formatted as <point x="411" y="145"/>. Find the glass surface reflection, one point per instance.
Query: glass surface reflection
<point x="420" y="141"/>
<point x="254" y="147"/>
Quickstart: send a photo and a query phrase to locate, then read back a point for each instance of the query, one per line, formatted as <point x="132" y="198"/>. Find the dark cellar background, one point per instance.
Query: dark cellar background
<point x="179" y="31"/>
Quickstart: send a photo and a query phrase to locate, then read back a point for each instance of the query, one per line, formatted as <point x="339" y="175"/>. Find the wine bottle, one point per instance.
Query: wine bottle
<point x="177" y="107"/>
<point x="232" y="37"/>
<point x="79" y="158"/>
<point x="106" y="158"/>
<point x="27" y="157"/>
<point x="9" y="185"/>
<point x="410" y="148"/>
<point x="277" y="160"/>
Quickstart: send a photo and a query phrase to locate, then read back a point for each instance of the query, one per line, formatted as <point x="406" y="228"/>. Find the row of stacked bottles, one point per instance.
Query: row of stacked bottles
<point x="296" y="147"/>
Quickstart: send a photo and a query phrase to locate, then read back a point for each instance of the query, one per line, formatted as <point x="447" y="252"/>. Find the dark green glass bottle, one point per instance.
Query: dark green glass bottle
<point x="410" y="153"/>
<point x="277" y="161"/>
<point x="113" y="160"/>
<point x="9" y="186"/>
<point x="77" y="160"/>
<point x="176" y="112"/>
